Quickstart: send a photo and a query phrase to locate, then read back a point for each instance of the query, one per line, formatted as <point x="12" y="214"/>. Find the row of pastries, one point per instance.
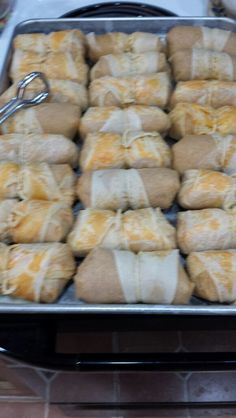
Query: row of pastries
<point x="133" y="248"/>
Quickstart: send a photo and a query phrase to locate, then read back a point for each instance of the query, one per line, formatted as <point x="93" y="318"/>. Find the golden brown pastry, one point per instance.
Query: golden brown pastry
<point x="133" y="118"/>
<point x="37" y="181"/>
<point x="132" y="149"/>
<point x="213" y="152"/>
<point x="182" y="37"/>
<point x="194" y="119"/>
<point x="201" y="64"/>
<point x="212" y="93"/>
<point x="149" y="90"/>
<point x="30" y="148"/>
<point x="41" y="181"/>
<point x="59" y="66"/>
<point x="72" y="40"/>
<point x="6" y="206"/>
<point x="48" y="118"/>
<point x="213" y="273"/>
<point x="123" y="189"/>
<point x="206" y="229"/>
<point x="140" y="230"/>
<point x="61" y="91"/>
<point x="201" y="189"/>
<point x="39" y="221"/>
<point x="129" y="64"/>
<point x="112" y="276"/>
<point x="118" y="42"/>
<point x="35" y="272"/>
<point x="49" y="148"/>
<point x="9" y="175"/>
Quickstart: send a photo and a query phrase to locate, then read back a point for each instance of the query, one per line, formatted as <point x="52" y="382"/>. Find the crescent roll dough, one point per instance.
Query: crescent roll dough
<point x="202" y="189"/>
<point x="206" y="229"/>
<point x="213" y="273"/>
<point x="28" y="148"/>
<point x="140" y="230"/>
<point x="212" y="93"/>
<point x="183" y="37"/>
<point x="132" y="149"/>
<point x="213" y="152"/>
<point x="201" y="64"/>
<point x="129" y="64"/>
<point x="123" y="189"/>
<point x="61" y="91"/>
<point x="37" y="181"/>
<point x="150" y="90"/>
<point x="67" y="40"/>
<point x="48" y="118"/>
<point x="133" y="118"/>
<point x="59" y="66"/>
<point x="118" y="42"/>
<point x="112" y="276"/>
<point x="36" y="272"/>
<point x="191" y="118"/>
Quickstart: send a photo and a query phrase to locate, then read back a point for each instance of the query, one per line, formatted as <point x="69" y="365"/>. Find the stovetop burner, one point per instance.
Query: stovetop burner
<point x="116" y="9"/>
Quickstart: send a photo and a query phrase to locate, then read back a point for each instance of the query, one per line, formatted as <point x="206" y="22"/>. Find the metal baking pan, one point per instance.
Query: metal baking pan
<point x="67" y="304"/>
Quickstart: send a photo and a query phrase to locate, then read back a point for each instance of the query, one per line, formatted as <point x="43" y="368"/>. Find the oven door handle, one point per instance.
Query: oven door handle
<point x="174" y="362"/>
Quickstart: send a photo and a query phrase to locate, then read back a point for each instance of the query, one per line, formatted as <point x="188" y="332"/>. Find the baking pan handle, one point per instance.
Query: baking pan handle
<point x="174" y="362"/>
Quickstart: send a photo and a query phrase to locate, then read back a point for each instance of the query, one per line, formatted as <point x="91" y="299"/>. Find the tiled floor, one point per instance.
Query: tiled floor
<point x="28" y="392"/>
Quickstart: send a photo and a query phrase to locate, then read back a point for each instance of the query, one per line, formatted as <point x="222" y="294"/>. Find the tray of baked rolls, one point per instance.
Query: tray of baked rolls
<point x="118" y="194"/>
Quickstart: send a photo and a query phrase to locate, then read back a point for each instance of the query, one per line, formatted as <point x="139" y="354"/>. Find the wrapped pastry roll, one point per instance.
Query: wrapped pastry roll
<point x="201" y="64"/>
<point x="72" y="40"/>
<point x="6" y="206"/>
<point x="149" y="90"/>
<point x="206" y="229"/>
<point x="28" y="148"/>
<point x="213" y="152"/>
<point x="48" y="118"/>
<point x="133" y="118"/>
<point x="132" y="149"/>
<point x="129" y="64"/>
<point x="202" y="189"/>
<point x="184" y="37"/>
<point x="213" y="273"/>
<point x="36" y="272"/>
<point x="123" y="189"/>
<point x="59" y="66"/>
<point x="140" y="230"/>
<point x="118" y="42"/>
<point x="39" y="221"/>
<point x="212" y="93"/>
<point x="37" y="181"/>
<point x="40" y="181"/>
<point x="61" y="91"/>
<point x="112" y="276"/>
<point x="9" y="174"/>
<point x="191" y="118"/>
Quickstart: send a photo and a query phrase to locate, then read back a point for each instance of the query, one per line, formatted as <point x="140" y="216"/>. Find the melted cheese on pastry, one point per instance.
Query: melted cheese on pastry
<point x="217" y="269"/>
<point x="143" y="229"/>
<point x="132" y="149"/>
<point x="36" y="272"/>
